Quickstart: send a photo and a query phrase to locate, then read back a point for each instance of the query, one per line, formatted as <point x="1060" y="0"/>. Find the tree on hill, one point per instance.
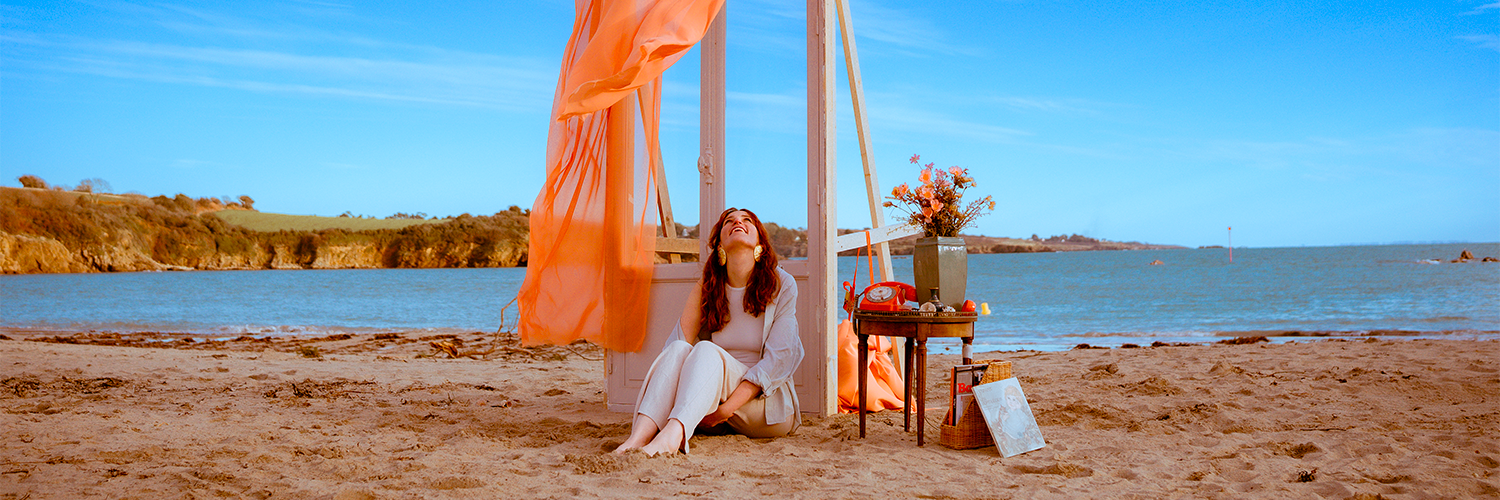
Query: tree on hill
<point x="32" y="181"/>
<point x="95" y="185"/>
<point x="248" y="202"/>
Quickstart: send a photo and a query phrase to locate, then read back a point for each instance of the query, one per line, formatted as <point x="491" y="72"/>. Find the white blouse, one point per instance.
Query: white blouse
<point x="780" y="351"/>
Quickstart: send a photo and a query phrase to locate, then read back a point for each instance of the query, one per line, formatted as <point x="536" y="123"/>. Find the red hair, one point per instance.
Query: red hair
<point x="764" y="282"/>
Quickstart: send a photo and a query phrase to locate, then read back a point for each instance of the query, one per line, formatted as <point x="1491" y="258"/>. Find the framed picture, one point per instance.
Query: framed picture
<point x="1009" y="417"/>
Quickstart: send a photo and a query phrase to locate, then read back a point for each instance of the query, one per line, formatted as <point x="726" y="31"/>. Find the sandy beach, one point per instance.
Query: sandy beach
<point x="395" y="417"/>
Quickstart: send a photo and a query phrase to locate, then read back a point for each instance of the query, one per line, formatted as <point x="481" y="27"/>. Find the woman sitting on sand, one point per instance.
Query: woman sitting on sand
<point x="731" y="357"/>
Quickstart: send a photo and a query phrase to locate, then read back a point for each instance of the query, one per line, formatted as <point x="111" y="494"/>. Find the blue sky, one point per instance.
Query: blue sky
<point x="1298" y="123"/>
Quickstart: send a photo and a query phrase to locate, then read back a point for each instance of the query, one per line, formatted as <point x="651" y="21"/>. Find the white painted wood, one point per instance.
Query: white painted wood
<point x="822" y="216"/>
<point x="877" y="235"/>
<point x="810" y="375"/>
<point x="626" y="371"/>
<point x="711" y="128"/>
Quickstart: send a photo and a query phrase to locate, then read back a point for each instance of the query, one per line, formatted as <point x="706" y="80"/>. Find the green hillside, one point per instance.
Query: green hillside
<point x="270" y="223"/>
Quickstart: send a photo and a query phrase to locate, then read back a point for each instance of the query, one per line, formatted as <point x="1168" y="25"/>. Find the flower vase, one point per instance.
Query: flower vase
<point x="941" y="262"/>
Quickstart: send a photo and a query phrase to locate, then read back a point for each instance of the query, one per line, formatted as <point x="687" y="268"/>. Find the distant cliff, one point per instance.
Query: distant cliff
<point x="53" y="231"/>
<point x="993" y="244"/>
<point x="49" y="231"/>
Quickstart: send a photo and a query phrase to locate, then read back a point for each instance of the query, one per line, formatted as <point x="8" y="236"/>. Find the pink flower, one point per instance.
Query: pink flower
<point x="915" y="158"/>
<point x="900" y="191"/>
<point x="926" y="176"/>
<point x="929" y="165"/>
<point x="957" y="172"/>
<point x="937" y="205"/>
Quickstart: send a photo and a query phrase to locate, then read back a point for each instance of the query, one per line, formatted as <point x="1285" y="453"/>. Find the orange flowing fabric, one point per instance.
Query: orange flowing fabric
<point x="588" y="272"/>
<point x="883" y="387"/>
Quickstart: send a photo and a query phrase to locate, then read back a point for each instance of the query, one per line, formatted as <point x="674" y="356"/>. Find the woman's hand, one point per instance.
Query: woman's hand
<point x="742" y="394"/>
<point x="719" y="416"/>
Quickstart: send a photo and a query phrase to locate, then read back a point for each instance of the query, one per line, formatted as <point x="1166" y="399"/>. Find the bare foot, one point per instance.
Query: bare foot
<point x="641" y="433"/>
<point x="669" y="440"/>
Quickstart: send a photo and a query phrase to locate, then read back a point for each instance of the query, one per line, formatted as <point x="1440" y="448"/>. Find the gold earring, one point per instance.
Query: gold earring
<point x="723" y="258"/>
<point x="758" y="250"/>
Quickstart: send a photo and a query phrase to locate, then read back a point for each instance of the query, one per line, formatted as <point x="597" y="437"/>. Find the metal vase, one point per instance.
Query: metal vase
<point x="941" y="262"/>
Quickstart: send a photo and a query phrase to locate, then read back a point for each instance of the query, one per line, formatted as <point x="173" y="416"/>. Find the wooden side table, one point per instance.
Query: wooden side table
<point x="919" y="327"/>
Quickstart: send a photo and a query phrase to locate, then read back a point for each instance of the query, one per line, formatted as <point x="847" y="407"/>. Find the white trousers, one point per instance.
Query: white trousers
<point x="689" y="381"/>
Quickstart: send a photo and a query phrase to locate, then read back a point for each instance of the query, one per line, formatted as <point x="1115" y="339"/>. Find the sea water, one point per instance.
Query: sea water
<point x="1038" y="301"/>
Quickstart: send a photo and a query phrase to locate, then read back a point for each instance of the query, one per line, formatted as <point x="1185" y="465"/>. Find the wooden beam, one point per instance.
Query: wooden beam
<point x="822" y="216"/>
<point x="663" y="200"/>
<point x="866" y="144"/>
<point x="878" y="235"/>
<point x="711" y="130"/>
<point x="676" y="245"/>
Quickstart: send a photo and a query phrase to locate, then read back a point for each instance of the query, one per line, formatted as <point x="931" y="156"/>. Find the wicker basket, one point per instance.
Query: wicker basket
<point x="997" y="371"/>
<point x="971" y="431"/>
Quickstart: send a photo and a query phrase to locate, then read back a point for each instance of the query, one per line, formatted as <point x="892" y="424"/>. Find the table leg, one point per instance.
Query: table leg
<point x="864" y="349"/>
<point x="906" y="381"/>
<point x="921" y="391"/>
<point x="968" y="350"/>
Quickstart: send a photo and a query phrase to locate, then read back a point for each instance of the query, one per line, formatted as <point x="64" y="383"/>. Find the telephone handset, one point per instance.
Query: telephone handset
<point x="887" y="296"/>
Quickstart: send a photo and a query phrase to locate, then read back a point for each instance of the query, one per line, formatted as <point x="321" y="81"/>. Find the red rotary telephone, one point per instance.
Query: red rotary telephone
<point x="887" y="296"/>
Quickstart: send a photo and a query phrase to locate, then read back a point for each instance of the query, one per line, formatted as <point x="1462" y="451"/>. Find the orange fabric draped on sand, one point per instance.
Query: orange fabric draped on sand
<point x="588" y="273"/>
<point x="883" y="387"/>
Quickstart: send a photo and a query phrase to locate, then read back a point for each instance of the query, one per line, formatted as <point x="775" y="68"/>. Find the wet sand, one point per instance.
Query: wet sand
<point x="395" y="416"/>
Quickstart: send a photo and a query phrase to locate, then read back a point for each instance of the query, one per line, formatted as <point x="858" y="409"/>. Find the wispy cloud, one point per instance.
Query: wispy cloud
<point x="890" y="116"/>
<point x="771" y="26"/>
<point x="1491" y="42"/>
<point x="446" y="77"/>
<point x="1436" y="150"/>
<point x="780" y="26"/>
<point x="1067" y="106"/>
<point x="1482" y="8"/>
<point x="901" y="28"/>
<point x="924" y="121"/>
<point x="234" y="53"/>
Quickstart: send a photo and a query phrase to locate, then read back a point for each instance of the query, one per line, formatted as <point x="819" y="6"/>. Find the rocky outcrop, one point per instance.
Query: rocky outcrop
<point x="123" y="254"/>
<point x="282" y="257"/>
<point x="1017" y="248"/>
<point x="254" y="258"/>
<point x="22" y="254"/>
<point x="459" y="254"/>
<point x="48" y="231"/>
<point x="363" y="255"/>
<point x="26" y="254"/>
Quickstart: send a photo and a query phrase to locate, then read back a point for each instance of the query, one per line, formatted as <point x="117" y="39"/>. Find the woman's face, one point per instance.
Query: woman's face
<point x="738" y="230"/>
<point x="1014" y="400"/>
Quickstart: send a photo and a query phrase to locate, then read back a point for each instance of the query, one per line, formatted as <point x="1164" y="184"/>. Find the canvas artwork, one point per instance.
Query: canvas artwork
<point x="1009" y="417"/>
